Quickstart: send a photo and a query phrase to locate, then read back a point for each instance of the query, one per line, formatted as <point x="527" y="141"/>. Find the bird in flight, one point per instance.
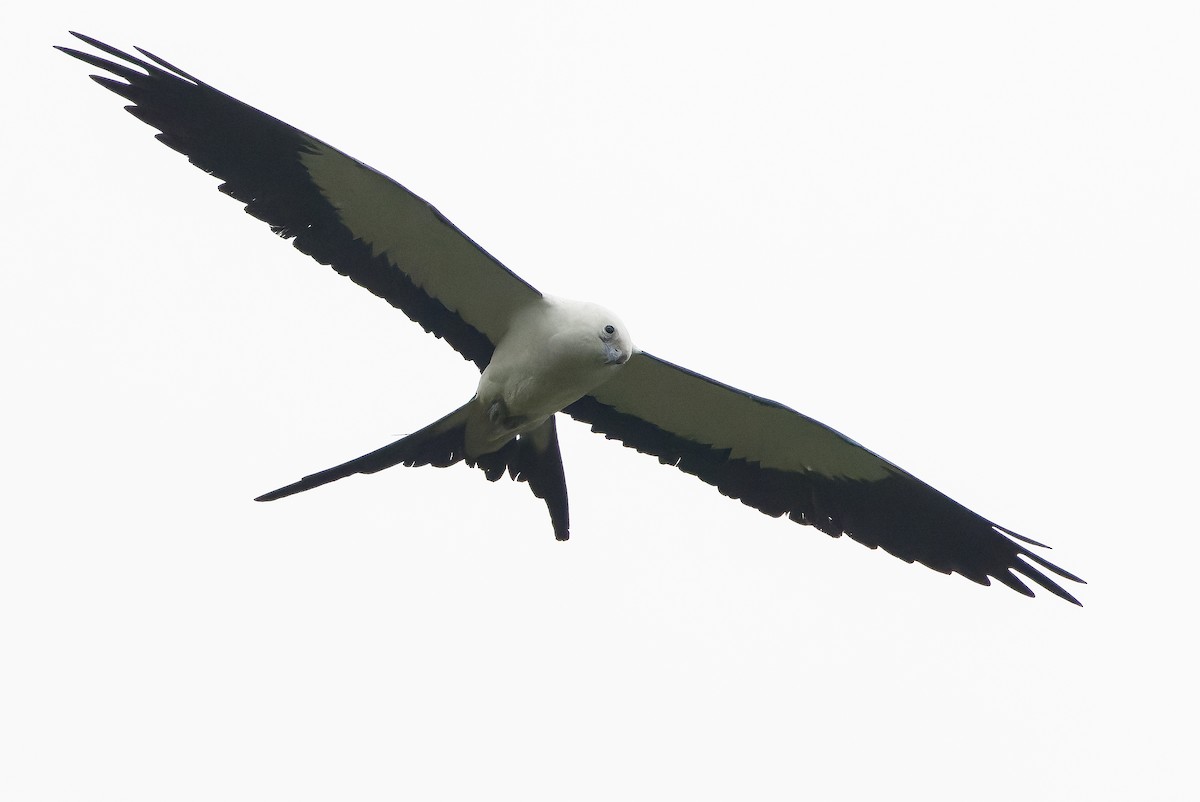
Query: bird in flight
<point x="540" y="355"/>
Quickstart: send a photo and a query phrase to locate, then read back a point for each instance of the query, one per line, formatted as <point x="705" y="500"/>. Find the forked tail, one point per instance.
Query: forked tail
<point x="533" y="457"/>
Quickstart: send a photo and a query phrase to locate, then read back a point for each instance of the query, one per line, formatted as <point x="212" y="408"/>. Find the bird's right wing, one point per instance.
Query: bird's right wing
<point x="780" y="462"/>
<point x="340" y="212"/>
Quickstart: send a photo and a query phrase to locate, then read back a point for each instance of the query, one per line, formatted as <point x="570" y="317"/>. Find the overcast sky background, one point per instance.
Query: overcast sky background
<point x="965" y="238"/>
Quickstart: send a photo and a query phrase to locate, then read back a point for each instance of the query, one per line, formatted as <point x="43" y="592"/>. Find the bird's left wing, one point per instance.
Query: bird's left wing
<point x="340" y="212"/>
<point x="783" y="463"/>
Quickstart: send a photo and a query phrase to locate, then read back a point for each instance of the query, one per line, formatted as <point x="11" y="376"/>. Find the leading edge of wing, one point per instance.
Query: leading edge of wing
<point x="781" y="462"/>
<point x="338" y="210"/>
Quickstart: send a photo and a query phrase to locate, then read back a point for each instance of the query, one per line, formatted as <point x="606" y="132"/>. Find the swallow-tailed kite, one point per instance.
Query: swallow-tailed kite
<point x="540" y="355"/>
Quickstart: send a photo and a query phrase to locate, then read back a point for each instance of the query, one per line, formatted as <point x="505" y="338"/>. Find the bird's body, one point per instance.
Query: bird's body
<point x="539" y="355"/>
<point x="552" y="353"/>
<point x="555" y="352"/>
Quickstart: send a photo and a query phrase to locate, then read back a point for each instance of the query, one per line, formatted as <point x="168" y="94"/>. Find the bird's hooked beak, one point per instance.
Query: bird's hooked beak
<point x="614" y="355"/>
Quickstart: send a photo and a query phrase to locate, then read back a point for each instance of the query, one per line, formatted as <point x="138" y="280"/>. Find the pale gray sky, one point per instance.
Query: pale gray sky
<point x="965" y="238"/>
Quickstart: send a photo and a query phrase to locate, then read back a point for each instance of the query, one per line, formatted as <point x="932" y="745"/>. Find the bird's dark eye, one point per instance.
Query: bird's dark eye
<point x="609" y="330"/>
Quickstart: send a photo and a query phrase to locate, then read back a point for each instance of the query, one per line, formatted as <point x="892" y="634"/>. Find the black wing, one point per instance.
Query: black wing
<point x="338" y="210"/>
<point x="783" y="463"/>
